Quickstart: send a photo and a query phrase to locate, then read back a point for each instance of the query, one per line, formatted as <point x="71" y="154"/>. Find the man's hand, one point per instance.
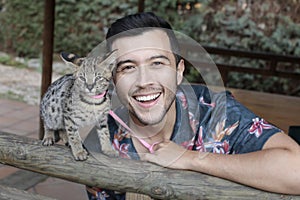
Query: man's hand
<point x="169" y="154"/>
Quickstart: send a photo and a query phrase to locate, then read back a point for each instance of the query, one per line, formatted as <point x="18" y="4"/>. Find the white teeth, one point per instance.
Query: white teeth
<point x="147" y="98"/>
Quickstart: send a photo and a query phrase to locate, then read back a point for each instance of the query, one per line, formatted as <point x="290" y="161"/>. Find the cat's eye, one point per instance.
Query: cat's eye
<point x="98" y="78"/>
<point x="82" y="78"/>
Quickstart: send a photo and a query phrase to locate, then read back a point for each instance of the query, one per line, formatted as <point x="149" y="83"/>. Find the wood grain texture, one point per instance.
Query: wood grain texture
<point x="121" y="174"/>
<point x="280" y="110"/>
<point x="8" y="193"/>
<point x="23" y="179"/>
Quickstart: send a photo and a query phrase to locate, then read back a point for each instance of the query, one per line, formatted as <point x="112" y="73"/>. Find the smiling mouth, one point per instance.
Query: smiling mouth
<point x="147" y="98"/>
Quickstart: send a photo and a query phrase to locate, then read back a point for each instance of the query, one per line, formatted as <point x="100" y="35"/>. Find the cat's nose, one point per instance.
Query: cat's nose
<point x="90" y="87"/>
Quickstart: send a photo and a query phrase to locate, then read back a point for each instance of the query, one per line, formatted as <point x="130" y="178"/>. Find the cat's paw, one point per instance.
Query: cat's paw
<point x="111" y="152"/>
<point x="48" y="141"/>
<point x="107" y="149"/>
<point x="81" y="155"/>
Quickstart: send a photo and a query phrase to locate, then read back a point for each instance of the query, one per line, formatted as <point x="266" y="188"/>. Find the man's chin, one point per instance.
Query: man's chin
<point x="148" y="121"/>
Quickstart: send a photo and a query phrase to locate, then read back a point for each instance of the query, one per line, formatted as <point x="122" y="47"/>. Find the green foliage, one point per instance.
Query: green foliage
<point x="21" y="31"/>
<point x="166" y="9"/>
<point x="258" y="29"/>
<point x="265" y="25"/>
<point x="79" y="25"/>
<point x="8" y="60"/>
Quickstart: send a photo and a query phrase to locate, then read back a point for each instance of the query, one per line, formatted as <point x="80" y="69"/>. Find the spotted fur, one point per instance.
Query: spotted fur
<point x="71" y="102"/>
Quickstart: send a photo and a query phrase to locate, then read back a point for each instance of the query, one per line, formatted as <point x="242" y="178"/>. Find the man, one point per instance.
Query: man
<point x="186" y="128"/>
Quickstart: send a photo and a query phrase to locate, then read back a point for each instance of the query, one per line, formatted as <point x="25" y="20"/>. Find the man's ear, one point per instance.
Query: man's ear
<point x="71" y="59"/>
<point x="180" y="70"/>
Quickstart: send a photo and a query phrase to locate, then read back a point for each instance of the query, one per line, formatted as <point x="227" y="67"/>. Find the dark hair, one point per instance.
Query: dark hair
<point x="132" y="25"/>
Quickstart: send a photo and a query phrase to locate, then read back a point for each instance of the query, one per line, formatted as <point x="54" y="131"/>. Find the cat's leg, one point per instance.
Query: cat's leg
<point x="64" y="137"/>
<point x="104" y="137"/>
<point x="75" y="141"/>
<point x="106" y="146"/>
<point x="49" y="137"/>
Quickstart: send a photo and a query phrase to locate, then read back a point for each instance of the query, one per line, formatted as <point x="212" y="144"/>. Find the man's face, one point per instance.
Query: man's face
<point x="146" y="76"/>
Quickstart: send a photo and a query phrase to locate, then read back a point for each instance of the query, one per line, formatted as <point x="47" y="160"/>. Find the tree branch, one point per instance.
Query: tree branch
<point x="121" y="174"/>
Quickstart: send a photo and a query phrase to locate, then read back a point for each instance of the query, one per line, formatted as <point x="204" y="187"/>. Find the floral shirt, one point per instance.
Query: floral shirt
<point x="205" y="121"/>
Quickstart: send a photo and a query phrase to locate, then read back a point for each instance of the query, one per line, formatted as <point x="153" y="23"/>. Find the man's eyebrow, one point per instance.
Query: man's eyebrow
<point x="149" y="59"/>
<point x="159" y="56"/>
<point x="124" y="61"/>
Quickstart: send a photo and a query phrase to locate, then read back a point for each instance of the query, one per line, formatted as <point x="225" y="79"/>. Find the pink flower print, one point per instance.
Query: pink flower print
<point x="258" y="126"/>
<point x="182" y="98"/>
<point x="121" y="148"/>
<point x="207" y="104"/>
<point x="188" y="144"/>
<point x="199" y="143"/>
<point x="193" y="122"/>
<point x="121" y="134"/>
<point x="97" y="192"/>
<point x="221" y="147"/>
<point x="220" y="131"/>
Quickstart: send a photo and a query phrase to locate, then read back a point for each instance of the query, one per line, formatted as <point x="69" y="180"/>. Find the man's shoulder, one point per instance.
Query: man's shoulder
<point x="194" y="89"/>
<point x="197" y="91"/>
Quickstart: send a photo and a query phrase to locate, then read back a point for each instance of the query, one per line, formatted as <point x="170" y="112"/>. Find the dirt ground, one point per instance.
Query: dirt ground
<point x="21" y="84"/>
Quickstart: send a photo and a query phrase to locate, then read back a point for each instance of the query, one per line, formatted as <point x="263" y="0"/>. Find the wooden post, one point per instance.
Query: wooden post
<point x="141" y="5"/>
<point x="48" y="36"/>
<point x="121" y="174"/>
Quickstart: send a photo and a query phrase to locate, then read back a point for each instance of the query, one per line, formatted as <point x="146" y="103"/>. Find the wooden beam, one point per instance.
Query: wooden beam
<point x="15" y="194"/>
<point x="141" y="5"/>
<point x="242" y="53"/>
<point x="23" y="179"/>
<point x="121" y="174"/>
<point x="256" y="71"/>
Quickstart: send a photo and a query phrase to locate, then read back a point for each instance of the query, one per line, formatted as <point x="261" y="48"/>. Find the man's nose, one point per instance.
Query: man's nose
<point x="145" y="76"/>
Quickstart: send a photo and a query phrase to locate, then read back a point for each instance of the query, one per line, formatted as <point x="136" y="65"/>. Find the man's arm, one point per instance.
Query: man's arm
<point x="276" y="168"/>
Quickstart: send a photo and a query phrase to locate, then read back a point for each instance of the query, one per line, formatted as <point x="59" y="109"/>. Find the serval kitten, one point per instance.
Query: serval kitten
<point x="79" y="99"/>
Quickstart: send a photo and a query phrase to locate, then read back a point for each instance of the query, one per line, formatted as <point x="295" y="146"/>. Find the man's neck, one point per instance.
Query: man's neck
<point x="158" y="132"/>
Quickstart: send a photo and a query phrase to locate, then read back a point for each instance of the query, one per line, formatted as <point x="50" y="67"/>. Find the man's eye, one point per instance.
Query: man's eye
<point x="126" y="68"/>
<point x="156" y="63"/>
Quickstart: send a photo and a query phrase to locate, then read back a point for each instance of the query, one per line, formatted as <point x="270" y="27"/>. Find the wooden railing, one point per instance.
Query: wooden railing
<point x="271" y="67"/>
<point x="120" y="174"/>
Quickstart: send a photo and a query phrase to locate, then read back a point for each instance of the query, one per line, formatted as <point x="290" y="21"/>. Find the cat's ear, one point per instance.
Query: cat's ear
<point x="72" y="59"/>
<point x="110" y="59"/>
